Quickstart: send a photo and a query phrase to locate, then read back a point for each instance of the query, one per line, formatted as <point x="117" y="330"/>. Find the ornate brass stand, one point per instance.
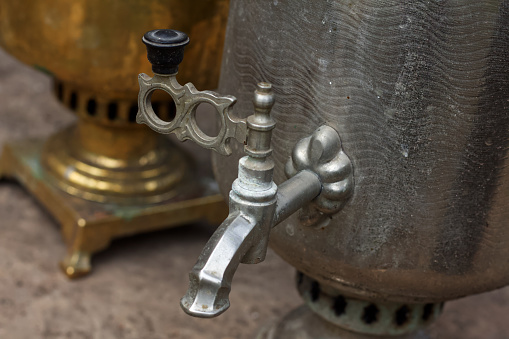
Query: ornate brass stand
<point x="102" y="179"/>
<point x="88" y="227"/>
<point x="106" y="176"/>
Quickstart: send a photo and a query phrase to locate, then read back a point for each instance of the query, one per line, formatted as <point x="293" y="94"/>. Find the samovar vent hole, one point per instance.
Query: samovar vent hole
<point x="370" y="314"/>
<point x="92" y="107"/>
<point x="339" y="306"/>
<point x="402" y="315"/>
<point x="112" y="111"/>
<point x="315" y="291"/>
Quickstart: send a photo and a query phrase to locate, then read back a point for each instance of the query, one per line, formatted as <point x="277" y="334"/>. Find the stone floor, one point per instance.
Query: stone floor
<point x="137" y="283"/>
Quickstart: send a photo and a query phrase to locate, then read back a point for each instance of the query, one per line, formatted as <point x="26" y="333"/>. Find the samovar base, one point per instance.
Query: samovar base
<point x="88" y="227"/>
<point x="143" y="179"/>
<point x="303" y="323"/>
<point x="329" y="314"/>
<point x="373" y="317"/>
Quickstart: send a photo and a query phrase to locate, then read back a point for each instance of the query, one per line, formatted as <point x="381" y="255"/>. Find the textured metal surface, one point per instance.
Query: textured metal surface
<point x="418" y="91"/>
<point x="319" y="172"/>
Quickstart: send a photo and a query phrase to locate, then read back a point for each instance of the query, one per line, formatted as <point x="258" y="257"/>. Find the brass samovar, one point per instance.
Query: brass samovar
<point x="377" y="150"/>
<point x="106" y="176"/>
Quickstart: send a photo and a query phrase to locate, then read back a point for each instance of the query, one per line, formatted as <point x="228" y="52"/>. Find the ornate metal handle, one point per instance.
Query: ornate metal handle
<point x="165" y="50"/>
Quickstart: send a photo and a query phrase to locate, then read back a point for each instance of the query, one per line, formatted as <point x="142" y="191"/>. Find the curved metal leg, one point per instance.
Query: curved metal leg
<point x="76" y="264"/>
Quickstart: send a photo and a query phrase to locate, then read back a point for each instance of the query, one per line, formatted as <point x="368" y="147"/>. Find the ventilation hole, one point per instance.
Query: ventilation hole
<point x="133" y="110"/>
<point x="300" y="278"/>
<point x="112" y="111"/>
<point x="370" y="314"/>
<point x="315" y="291"/>
<point x="91" y="107"/>
<point x="60" y="91"/>
<point x="402" y="315"/>
<point x="73" y="104"/>
<point x="207" y="119"/>
<point x="339" y="305"/>
<point x="427" y="312"/>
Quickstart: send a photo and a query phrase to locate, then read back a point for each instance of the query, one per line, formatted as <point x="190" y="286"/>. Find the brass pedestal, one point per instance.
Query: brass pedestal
<point x="107" y="176"/>
<point x="88" y="226"/>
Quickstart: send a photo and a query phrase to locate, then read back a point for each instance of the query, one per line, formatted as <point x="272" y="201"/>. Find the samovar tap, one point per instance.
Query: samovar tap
<point x="319" y="173"/>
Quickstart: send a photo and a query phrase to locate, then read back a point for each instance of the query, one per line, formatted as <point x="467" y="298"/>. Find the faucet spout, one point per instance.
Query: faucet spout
<point x="210" y="279"/>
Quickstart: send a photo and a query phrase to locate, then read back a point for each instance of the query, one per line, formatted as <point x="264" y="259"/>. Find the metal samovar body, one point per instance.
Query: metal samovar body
<point x="385" y="183"/>
<point x="418" y="92"/>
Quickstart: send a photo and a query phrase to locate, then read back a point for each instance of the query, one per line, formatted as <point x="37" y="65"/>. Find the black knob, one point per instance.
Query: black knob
<point x="165" y="49"/>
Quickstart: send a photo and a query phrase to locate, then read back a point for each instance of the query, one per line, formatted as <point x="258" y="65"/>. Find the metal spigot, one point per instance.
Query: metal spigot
<point x="320" y="174"/>
<point x="243" y="236"/>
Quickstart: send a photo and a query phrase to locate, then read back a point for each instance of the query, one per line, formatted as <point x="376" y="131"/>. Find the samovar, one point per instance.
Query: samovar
<point x="383" y="162"/>
<point x="106" y="176"/>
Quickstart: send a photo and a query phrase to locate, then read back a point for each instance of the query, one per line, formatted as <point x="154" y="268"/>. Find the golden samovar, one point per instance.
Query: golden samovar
<point x="106" y="176"/>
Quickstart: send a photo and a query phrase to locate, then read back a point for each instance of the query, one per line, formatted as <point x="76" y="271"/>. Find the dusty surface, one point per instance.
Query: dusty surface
<point x="136" y="284"/>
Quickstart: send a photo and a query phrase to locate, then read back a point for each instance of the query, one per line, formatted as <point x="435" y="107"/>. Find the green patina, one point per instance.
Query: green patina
<point x="35" y="166"/>
<point x="43" y="69"/>
<point x="125" y="213"/>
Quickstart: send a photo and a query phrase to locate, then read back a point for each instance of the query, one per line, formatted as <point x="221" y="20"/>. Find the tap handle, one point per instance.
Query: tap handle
<point x="165" y="50"/>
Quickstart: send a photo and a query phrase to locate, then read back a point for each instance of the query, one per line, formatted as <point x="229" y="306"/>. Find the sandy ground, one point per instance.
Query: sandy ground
<point x="136" y="285"/>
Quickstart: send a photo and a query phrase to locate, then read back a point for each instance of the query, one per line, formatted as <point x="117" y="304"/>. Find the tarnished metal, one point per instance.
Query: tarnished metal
<point x="322" y="154"/>
<point x="295" y="193"/>
<point x="418" y="92"/>
<point x="381" y="318"/>
<point x="305" y="323"/>
<point x="255" y="204"/>
<point x="244" y="235"/>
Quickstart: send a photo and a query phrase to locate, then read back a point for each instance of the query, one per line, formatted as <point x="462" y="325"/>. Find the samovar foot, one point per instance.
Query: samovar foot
<point x="76" y="264"/>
